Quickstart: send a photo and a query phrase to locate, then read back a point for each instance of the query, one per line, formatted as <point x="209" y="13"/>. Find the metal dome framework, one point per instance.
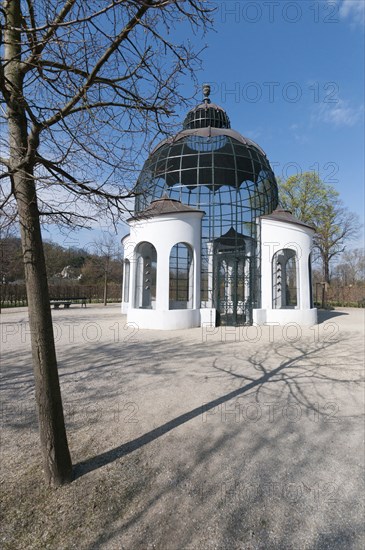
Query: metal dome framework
<point x="210" y="167"/>
<point x="205" y="115"/>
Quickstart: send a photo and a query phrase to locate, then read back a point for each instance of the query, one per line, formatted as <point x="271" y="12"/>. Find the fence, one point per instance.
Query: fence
<point x="14" y="295"/>
<point x="338" y="295"/>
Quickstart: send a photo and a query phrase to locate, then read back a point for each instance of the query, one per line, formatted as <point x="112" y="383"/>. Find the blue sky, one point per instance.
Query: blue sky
<point x="291" y="76"/>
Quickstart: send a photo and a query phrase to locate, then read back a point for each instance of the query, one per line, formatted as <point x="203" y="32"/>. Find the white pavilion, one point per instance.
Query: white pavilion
<point x="208" y="244"/>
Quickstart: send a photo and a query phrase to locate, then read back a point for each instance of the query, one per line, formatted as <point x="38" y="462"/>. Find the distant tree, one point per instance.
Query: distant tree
<point x="105" y="262"/>
<point x="55" y="257"/>
<point x="11" y="260"/>
<point x="305" y="194"/>
<point x="91" y="271"/>
<point x="318" y="204"/>
<point x="336" y="227"/>
<point x="102" y="255"/>
<point x="77" y="258"/>
<point x="85" y="85"/>
<point x="350" y="269"/>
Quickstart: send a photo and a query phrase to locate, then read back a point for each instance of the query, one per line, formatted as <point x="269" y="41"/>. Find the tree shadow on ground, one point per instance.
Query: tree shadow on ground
<point x="236" y="497"/>
<point x="290" y="372"/>
<point x="216" y="493"/>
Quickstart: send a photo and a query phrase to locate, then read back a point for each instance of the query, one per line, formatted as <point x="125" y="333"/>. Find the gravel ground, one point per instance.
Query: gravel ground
<point x="184" y="440"/>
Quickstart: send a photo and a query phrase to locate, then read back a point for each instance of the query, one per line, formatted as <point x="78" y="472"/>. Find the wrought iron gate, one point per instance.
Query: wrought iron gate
<point x="232" y="288"/>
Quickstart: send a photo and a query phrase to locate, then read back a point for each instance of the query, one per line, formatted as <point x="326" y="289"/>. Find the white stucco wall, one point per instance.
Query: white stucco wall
<point x="164" y="231"/>
<point x="274" y="236"/>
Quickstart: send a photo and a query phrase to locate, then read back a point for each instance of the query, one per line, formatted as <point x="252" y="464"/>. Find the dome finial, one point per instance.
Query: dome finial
<point x="206" y="92"/>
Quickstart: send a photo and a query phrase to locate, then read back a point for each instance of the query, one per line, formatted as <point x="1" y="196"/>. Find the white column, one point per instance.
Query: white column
<point x="303" y="282"/>
<point x="196" y="277"/>
<point x="163" y="278"/>
<point x="266" y="273"/>
<point x="132" y="284"/>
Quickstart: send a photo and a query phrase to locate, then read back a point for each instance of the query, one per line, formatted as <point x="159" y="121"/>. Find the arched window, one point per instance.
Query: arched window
<point x="126" y="280"/>
<point x="145" y="276"/>
<point x="181" y="277"/>
<point x="284" y="277"/>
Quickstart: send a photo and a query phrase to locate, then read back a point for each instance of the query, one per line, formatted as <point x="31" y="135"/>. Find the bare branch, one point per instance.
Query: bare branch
<point x="5" y="161"/>
<point x="99" y="64"/>
<point x="50" y="31"/>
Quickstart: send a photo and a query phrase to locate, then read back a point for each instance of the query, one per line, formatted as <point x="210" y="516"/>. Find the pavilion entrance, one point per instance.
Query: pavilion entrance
<point x="232" y="280"/>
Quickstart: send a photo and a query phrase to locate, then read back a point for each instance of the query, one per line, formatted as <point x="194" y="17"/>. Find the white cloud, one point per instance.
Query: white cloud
<point x="352" y="10"/>
<point x="298" y="133"/>
<point x="339" y="114"/>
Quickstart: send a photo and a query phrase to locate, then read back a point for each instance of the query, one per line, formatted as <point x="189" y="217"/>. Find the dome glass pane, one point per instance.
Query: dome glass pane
<point x="213" y="168"/>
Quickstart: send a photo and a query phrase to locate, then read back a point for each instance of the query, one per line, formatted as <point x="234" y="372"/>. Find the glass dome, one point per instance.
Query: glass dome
<point x="213" y="168"/>
<point x="204" y="115"/>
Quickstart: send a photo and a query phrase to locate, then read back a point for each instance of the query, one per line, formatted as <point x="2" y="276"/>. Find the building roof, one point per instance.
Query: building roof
<point x="233" y="238"/>
<point x="165" y="205"/>
<point x="208" y="132"/>
<point x="209" y="165"/>
<point x="206" y="114"/>
<point x="282" y="215"/>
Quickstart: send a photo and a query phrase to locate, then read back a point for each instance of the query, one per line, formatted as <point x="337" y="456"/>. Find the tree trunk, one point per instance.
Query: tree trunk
<point x="326" y="279"/>
<point x="105" y="287"/>
<point x="326" y="270"/>
<point x="56" y="455"/>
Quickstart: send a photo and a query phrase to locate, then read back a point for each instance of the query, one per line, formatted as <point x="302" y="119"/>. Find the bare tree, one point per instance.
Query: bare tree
<point x="336" y="226"/>
<point x="314" y="202"/>
<point x="104" y="262"/>
<point x="11" y="261"/>
<point x="351" y="267"/>
<point x="84" y="84"/>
